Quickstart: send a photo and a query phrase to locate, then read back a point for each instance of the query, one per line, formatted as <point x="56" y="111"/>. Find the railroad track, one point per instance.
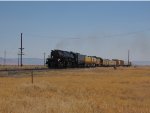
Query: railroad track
<point x="20" y="72"/>
<point x="32" y="69"/>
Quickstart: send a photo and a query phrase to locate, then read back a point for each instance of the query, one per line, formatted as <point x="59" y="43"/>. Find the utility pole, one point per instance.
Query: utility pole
<point x="21" y="49"/>
<point x="21" y="52"/>
<point x="18" y="59"/>
<point x="128" y="57"/>
<point x="44" y="58"/>
<point x="4" y="57"/>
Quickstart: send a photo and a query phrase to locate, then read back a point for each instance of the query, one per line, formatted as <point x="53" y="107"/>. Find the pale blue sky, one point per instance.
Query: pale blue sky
<point x="105" y="29"/>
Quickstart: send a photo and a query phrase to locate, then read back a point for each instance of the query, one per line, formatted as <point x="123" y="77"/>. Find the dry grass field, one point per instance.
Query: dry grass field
<point x="15" y="67"/>
<point x="90" y="90"/>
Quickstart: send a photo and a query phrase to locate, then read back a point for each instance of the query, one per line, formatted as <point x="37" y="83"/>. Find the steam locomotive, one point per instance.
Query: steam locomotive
<point x="66" y="59"/>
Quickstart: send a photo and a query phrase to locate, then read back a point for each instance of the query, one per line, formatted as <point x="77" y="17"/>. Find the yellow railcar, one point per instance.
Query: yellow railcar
<point x="88" y="60"/>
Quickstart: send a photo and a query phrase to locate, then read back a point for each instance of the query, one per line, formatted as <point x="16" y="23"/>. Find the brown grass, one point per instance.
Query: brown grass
<point x="90" y="90"/>
<point x="15" y="67"/>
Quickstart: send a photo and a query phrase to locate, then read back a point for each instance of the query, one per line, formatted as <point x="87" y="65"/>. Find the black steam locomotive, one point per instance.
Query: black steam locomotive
<point x="65" y="59"/>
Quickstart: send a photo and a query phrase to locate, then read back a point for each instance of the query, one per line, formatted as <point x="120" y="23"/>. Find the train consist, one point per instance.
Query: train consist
<point x="65" y="59"/>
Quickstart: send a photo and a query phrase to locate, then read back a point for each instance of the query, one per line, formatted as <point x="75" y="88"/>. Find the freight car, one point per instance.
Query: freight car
<point x="127" y="64"/>
<point x="65" y="59"/>
<point x="112" y="63"/>
<point x="105" y="62"/>
<point x="99" y="61"/>
<point x="108" y="63"/>
<point x="119" y="62"/>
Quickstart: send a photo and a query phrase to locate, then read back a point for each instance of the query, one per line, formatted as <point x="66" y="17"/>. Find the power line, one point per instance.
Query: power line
<point x="79" y="37"/>
<point x="52" y="37"/>
<point x="126" y="34"/>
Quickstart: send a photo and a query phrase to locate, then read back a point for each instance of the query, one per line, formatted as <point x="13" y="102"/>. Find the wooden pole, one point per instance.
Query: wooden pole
<point x="32" y="76"/>
<point x="21" y="50"/>
<point x="128" y="57"/>
<point x="44" y="58"/>
<point x="4" y="57"/>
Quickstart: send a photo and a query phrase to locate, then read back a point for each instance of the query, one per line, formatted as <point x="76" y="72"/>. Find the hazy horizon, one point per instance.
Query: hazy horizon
<point x="40" y="61"/>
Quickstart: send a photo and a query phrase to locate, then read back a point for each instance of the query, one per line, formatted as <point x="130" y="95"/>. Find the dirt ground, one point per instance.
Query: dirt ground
<point x="88" y="90"/>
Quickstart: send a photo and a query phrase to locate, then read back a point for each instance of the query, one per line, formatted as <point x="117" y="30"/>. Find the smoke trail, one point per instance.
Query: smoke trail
<point x="141" y="45"/>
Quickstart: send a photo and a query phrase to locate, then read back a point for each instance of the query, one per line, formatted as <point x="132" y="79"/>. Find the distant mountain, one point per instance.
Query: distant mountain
<point x="33" y="61"/>
<point x="26" y="61"/>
